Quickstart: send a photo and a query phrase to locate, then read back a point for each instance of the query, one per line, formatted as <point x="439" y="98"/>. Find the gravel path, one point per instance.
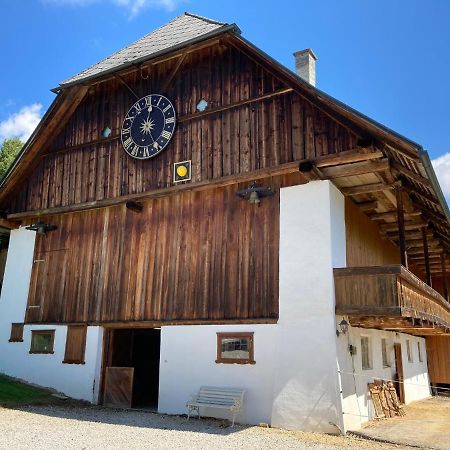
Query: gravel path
<point x="56" y="427"/>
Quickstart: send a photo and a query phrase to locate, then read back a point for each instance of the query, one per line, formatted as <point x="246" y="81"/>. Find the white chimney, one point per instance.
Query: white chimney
<point x="305" y="65"/>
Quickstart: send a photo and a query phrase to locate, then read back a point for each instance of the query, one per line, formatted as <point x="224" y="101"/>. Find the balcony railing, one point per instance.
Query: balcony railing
<point x="391" y="298"/>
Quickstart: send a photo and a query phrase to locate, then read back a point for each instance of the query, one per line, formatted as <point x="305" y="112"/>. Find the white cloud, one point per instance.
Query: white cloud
<point x="133" y="7"/>
<point x="22" y="123"/>
<point x="442" y="168"/>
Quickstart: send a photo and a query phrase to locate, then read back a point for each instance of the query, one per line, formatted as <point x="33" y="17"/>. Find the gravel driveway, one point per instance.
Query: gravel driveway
<point x="69" y="427"/>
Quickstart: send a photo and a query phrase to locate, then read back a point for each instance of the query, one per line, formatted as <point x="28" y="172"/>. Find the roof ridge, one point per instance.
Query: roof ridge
<point x="206" y="19"/>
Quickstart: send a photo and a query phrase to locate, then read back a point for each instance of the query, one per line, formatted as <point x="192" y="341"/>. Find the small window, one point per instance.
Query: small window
<point x="16" y="332"/>
<point x="419" y="350"/>
<point x="365" y="353"/>
<point x="42" y="341"/>
<point x="235" y="348"/>
<point x="384" y="353"/>
<point x="75" y="344"/>
<point x="408" y="351"/>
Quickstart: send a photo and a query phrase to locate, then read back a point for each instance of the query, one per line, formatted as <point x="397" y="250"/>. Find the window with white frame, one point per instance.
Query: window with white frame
<point x="409" y="351"/>
<point x="384" y="353"/>
<point x="419" y="350"/>
<point x="366" y="357"/>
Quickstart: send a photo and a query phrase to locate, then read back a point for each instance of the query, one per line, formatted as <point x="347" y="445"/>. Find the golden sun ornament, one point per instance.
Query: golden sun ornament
<point x="147" y="126"/>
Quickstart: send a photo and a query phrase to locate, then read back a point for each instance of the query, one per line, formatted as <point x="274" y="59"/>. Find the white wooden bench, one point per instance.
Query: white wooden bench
<point x="216" y="397"/>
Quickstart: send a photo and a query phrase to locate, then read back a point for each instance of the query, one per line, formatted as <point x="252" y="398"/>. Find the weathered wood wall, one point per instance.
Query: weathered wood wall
<point x="438" y="350"/>
<point x="192" y="256"/>
<point x="79" y="166"/>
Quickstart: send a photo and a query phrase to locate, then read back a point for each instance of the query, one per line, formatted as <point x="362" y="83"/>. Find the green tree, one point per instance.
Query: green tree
<point x="9" y="150"/>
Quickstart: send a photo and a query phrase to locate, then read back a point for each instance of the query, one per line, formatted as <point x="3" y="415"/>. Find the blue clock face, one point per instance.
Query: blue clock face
<point x="148" y="126"/>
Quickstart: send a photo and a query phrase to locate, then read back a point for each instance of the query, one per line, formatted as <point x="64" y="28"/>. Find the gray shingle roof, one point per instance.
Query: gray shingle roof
<point x="176" y="33"/>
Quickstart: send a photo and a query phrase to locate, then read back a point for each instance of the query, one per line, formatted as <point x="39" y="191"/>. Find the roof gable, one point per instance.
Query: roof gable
<point x="179" y="32"/>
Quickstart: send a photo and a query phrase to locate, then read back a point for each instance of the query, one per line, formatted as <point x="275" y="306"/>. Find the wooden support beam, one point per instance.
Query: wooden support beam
<point x="130" y="89"/>
<point x="392" y="215"/>
<point x="10" y="224"/>
<point x="366" y="189"/>
<point x="208" y="112"/>
<point x="172" y="74"/>
<point x="410" y="235"/>
<point x="413" y="191"/>
<point x="350" y="156"/>
<point x="412" y="175"/>
<point x="407" y="226"/>
<point x="444" y="277"/>
<point x="401" y="226"/>
<point x="367" y="206"/>
<point x="426" y="256"/>
<point x="357" y="168"/>
<point x="421" y="251"/>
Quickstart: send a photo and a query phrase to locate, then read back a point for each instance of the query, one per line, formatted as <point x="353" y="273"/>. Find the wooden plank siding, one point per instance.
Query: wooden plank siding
<point x="79" y="166"/>
<point x="438" y="351"/>
<point x="193" y="256"/>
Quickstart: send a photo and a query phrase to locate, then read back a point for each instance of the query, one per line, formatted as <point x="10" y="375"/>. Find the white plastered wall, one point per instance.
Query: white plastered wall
<point x="294" y="383"/>
<point x="357" y="406"/>
<point x="188" y="355"/>
<point x="79" y="381"/>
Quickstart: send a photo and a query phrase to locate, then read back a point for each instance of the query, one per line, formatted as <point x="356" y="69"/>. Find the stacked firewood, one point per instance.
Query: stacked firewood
<point x="385" y="400"/>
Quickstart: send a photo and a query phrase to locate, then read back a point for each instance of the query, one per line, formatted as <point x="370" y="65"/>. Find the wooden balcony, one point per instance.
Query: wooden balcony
<point x="390" y="298"/>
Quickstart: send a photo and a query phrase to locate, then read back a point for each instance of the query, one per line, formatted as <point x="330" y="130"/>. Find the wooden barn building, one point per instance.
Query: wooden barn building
<point x="191" y="213"/>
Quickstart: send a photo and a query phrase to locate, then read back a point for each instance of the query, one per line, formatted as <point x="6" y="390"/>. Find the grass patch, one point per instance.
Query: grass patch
<point x="13" y="392"/>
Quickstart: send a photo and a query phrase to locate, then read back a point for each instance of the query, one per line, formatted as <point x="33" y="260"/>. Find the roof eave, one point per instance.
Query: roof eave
<point x="28" y="142"/>
<point x="232" y="28"/>
<point x="426" y="161"/>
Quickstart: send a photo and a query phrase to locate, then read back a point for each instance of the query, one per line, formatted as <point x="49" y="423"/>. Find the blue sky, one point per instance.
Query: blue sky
<point x="388" y="59"/>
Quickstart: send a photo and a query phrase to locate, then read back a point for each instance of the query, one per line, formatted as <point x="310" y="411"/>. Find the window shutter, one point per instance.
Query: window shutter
<point x="16" y="332"/>
<point x="75" y="344"/>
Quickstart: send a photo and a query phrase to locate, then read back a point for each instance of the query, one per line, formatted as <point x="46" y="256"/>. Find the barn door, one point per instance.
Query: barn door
<point x="400" y="376"/>
<point x="118" y="387"/>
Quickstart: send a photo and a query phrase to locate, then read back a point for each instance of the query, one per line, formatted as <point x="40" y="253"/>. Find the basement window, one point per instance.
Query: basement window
<point x="384" y="353"/>
<point x="235" y="348"/>
<point x="42" y="341"/>
<point x="366" y="357"/>
<point x="16" y="332"/>
<point x="75" y="344"/>
<point x="419" y="350"/>
<point x="409" y="351"/>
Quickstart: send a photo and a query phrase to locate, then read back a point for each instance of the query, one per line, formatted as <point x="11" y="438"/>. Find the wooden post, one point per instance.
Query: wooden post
<point x="444" y="277"/>
<point x="426" y="256"/>
<point x="401" y="226"/>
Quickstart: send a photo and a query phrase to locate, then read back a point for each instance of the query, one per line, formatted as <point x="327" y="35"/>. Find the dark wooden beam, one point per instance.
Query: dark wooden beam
<point x="392" y="215"/>
<point x="368" y="206"/>
<point x="357" y="168"/>
<point x="444" y="276"/>
<point x="426" y="256"/>
<point x="412" y="175"/>
<point x="208" y="112"/>
<point x="401" y="226"/>
<point x="350" y="156"/>
<point x="130" y="89"/>
<point x="172" y="74"/>
<point x="366" y="189"/>
<point x="407" y="226"/>
<point x="10" y="224"/>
